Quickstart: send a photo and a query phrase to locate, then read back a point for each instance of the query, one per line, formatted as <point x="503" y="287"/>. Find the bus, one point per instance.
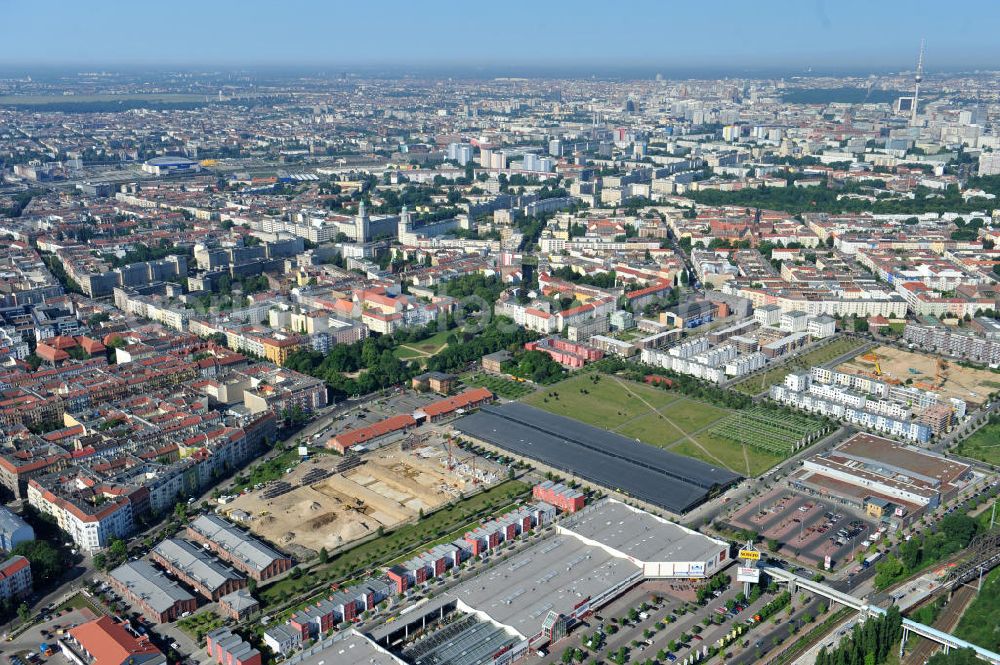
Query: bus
<point x="871" y="559"/>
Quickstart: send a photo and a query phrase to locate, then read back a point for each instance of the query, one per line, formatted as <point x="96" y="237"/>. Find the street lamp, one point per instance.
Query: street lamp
<point x="854" y="539"/>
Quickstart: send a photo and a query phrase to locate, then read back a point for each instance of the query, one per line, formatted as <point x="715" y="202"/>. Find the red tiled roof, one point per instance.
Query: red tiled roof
<point x="110" y="644"/>
<point x="13" y="565"/>
<point x="61" y="342"/>
<point x="49" y="353"/>
<point x="354" y="437"/>
<point x="90" y="345"/>
<point x="460" y="401"/>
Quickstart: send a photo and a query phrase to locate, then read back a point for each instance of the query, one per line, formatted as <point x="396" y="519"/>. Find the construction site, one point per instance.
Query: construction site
<point x="328" y="501"/>
<point x="924" y="372"/>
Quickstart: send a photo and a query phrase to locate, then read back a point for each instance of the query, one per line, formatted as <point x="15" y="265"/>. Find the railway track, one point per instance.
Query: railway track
<point x="946" y="622"/>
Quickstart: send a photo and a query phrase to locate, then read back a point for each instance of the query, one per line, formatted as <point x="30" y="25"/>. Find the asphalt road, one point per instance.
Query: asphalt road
<point x="781" y="633"/>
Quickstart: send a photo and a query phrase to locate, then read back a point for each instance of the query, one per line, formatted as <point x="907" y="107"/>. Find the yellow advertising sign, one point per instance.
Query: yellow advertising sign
<point x="749" y="555"/>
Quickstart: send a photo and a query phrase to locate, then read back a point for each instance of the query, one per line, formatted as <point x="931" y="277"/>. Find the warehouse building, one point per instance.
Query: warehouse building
<point x="373" y="434"/>
<point x="467" y="641"/>
<point x="562" y="576"/>
<point x="246" y="553"/>
<point x="238" y="605"/>
<point x="159" y="597"/>
<point x="196" y="568"/>
<point x="892" y="482"/>
<point x="596" y="554"/>
<point x="538" y="594"/>
<point x="661" y="548"/>
<point x="629" y="467"/>
<point x="468" y="399"/>
<point x="344" y="648"/>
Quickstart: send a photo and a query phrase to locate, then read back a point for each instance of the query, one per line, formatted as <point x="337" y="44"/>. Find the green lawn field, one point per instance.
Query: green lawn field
<point x="729" y="454"/>
<point x="604" y="404"/>
<point x="424" y="349"/>
<point x="984" y="445"/>
<point x="654" y="416"/>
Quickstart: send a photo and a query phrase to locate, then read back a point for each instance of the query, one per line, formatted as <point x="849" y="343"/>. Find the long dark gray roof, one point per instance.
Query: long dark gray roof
<point x="150" y="585"/>
<point x="645" y="472"/>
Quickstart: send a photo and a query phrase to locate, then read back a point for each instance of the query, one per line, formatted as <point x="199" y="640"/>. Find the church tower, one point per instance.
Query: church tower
<point x="405" y="225"/>
<point x="361" y="231"/>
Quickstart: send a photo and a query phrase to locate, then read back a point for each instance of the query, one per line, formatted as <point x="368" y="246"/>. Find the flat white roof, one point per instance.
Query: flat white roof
<point x="640" y="535"/>
<point x="556" y="574"/>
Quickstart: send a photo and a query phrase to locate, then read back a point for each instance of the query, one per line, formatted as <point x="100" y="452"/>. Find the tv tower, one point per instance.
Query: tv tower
<point x="918" y="77"/>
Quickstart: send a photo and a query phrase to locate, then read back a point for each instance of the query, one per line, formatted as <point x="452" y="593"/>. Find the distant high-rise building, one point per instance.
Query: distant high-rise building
<point x="989" y="163"/>
<point x="492" y="159"/>
<point x="555" y="148"/>
<point x="973" y="116"/>
<point x="460" y="152"/>
<point x="533" y="162"/>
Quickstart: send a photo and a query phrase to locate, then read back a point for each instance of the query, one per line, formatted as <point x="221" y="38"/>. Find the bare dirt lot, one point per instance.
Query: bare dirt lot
<point x="391" y="486"/>
<point x="971" y="385"/>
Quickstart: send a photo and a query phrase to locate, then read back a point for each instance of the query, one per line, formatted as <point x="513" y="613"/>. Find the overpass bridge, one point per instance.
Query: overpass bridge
<point x="983" y="556"/>
<point x="796" y="582"/>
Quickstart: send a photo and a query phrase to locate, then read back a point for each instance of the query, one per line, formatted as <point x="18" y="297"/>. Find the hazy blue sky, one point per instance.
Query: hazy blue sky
<point x="511" y="34"/>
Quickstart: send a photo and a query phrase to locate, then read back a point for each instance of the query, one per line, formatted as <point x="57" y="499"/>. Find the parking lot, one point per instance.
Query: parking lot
<point x="397" y="401"/>
<point x="52" y="626"/>
<point x="401" y="401"/>
<point x="675" y="624"/>
<point x="807" y="528"/>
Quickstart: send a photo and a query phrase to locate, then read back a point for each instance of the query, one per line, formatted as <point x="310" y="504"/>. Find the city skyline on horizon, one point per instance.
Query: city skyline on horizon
<point x="783" y="38"/>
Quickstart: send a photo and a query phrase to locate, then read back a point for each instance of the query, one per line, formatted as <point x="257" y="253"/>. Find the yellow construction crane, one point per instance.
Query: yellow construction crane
<point x="872" y="357"/>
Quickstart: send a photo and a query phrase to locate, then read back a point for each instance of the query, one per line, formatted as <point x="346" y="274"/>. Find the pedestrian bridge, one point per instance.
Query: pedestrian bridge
<point x="949" y="642"/>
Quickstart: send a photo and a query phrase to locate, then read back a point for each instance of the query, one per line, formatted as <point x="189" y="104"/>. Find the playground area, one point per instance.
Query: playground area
<point x="329" y="501"/>
<point x="806" y="528"/>
<point x="925" y="372"/>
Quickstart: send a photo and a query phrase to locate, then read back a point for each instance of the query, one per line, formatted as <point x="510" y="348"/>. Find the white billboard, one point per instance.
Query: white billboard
<point x="748" y="574"/>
